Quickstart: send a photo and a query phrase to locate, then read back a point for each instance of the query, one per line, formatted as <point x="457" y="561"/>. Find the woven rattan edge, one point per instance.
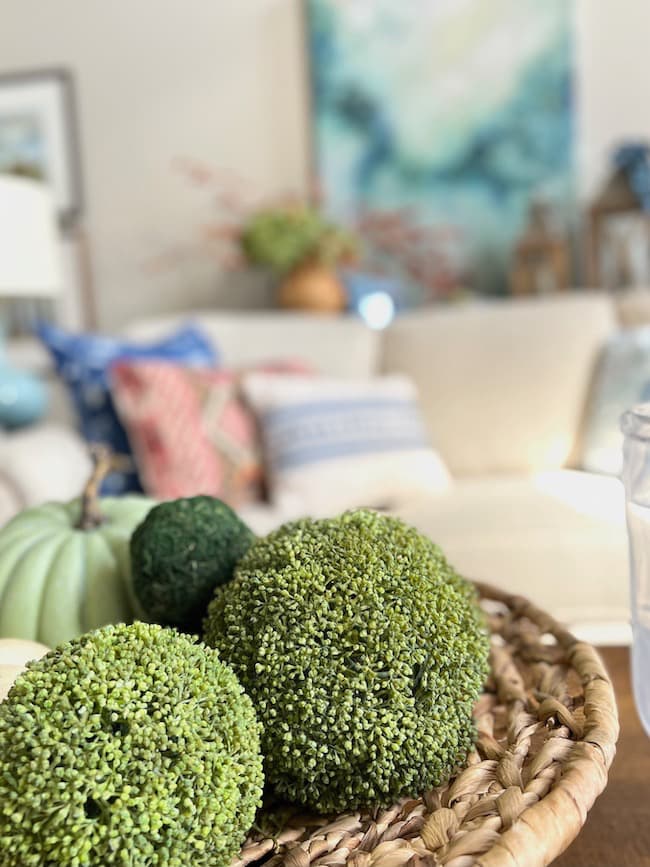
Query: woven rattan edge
<point x="546" y="829"/>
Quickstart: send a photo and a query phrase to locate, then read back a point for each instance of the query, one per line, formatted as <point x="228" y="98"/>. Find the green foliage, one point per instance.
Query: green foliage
<point x="283" y="238"/>
<point x="132" y="746"/>
<point x="363" y="652"/>
<point x="180" y="553"/>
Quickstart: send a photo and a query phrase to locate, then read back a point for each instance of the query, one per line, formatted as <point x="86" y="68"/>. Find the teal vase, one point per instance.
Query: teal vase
<point x="23" y="399"/>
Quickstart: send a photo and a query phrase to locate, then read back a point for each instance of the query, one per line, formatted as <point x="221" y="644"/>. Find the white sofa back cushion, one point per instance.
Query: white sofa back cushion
<point x="334" y="345"/>
<point x="502" y="383"/>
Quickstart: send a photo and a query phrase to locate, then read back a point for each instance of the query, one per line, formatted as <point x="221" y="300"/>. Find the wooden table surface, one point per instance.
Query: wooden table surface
<point x="617" y="831"/>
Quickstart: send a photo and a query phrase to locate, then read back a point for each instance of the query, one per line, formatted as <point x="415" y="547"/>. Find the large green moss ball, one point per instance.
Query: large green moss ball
<point x="180" y="552"/>
<point x="131" y="745"/>
<point x="363" y="652"/>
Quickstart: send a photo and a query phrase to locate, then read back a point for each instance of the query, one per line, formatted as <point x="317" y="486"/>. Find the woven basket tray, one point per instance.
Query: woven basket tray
<point x="548" y="727"/>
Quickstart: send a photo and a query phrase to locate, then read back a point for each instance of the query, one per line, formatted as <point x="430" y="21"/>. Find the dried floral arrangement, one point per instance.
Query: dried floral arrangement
<point x="281" y="232"/>
<point x="286" y="232"/>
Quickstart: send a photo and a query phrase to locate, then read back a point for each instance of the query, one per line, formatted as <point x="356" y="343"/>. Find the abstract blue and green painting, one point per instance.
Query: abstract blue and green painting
<point x="436" y="123"/>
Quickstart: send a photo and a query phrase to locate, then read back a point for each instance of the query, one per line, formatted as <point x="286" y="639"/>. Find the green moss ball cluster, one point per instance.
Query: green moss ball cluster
<point x="131" y="745"/>
<point x="363" y="652"/>
<point x="180" y="553"/>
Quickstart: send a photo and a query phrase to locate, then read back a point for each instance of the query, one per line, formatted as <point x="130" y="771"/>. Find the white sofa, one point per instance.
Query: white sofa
<point x="503" y="388"/>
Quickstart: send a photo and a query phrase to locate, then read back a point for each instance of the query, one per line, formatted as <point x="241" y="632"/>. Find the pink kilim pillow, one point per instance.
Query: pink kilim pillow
<point x="190" y="430"/>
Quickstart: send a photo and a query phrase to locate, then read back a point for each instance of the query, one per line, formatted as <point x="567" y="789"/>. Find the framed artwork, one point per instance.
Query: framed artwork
<point x="436" y="124"/>
<point x="38" y="134"/>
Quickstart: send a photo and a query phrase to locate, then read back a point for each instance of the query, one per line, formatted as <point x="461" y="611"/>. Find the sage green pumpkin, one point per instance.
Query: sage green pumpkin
<point x="58" y="581"/>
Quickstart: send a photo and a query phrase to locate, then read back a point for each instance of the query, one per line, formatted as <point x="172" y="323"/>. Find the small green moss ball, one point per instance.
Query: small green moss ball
<point x="131" y="745"/>
<point x="363" y="652"/>
<point x="180" y="553"/>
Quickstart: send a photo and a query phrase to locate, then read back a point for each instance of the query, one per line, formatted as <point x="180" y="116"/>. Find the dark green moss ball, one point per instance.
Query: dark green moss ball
<point x="363" y="652"/>
<point x="130" y="745"/>
<point x="180" y="553"/>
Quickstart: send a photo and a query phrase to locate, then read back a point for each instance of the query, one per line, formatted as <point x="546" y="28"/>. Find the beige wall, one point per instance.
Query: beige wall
<point x="223" y="81"/>
<point x="613" y="81"/>
<point x="219" y="80"/>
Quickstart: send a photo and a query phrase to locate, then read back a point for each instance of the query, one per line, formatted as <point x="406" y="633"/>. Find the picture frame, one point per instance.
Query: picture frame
<point x="39" y="134"/>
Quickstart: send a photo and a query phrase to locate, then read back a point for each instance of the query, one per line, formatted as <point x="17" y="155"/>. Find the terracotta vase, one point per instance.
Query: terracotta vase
<point x="313" y="286"/>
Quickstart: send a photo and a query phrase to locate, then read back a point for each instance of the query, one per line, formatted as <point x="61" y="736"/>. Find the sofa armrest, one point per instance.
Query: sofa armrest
<point x="10" y="502"/>
<point x="45" y="462"/>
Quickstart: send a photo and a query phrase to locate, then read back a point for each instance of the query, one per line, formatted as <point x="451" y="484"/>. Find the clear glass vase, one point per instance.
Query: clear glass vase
<point x="635" y="424"/>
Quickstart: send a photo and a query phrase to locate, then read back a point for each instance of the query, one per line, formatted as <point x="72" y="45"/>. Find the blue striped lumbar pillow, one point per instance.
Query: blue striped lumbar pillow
<point x="333" y="443"/>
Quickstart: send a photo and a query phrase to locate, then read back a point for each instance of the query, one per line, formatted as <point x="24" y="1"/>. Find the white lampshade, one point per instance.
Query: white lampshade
<point x="30" y="252"/>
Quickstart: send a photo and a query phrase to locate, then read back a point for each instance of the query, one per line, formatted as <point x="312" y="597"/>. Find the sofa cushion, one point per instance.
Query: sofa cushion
<point x="333" y="345"/>
<point x="191" y="430"/>
<point x="557" y="537"/>
<point x="503" y="383"/>
<point x="41" y="463"/>
<point x="336" y="443"/>
<point x="622" y="379"/>
<point x="633" y="306"/>
<point x="84" y="362"/>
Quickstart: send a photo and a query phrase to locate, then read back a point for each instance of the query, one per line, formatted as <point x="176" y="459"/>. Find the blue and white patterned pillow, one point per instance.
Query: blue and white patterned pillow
<point x="317" y="431"/>
<point x="333" y="444"/>
<point x="84" y="362"/>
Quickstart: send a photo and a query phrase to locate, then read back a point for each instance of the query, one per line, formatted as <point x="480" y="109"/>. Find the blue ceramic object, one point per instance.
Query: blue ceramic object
<point x="23" y="399"/>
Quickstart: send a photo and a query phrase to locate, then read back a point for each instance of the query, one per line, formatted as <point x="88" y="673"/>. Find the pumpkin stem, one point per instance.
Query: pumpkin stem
<point x="104" y="461"/>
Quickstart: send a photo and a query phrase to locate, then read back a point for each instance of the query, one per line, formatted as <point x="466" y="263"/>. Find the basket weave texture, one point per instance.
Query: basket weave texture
<point x="548" y="726"/>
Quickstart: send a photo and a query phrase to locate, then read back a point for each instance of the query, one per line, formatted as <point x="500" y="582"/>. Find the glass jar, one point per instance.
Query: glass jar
<point x="635" y="424"/>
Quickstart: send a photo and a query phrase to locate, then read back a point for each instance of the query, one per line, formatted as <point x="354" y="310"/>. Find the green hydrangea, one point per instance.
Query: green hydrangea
<point x="132" y="745"/>
<point x="285" y="237"/>
<point x="180" y="552"/>
<point x="363" y="652"/>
